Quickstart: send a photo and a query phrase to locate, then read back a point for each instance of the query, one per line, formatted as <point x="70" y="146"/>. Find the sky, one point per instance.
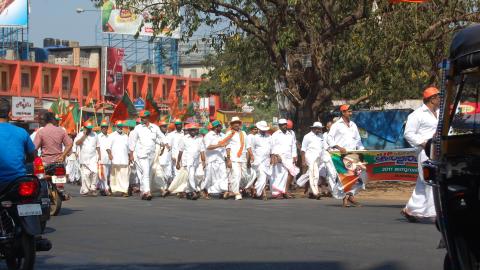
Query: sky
<point x="58" y="19"/>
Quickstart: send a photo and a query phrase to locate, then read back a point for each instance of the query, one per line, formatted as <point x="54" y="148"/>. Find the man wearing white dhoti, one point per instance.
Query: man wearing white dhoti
<point x="237" y="150"/>
<point x="145" y="138"/>
<point x="313" y="148"/>
<point x="261" y="145"/>
<point x="190" y="151"/>
<point x="345" y="137"/>
<point x="216" y="181"/>
<point x="420" y="127"/>
<point x="162" y="167"/>
<point x="173" y="139"/>
<point x="284" y="151"/>
<point x="118" y="155"/>
<point x="105" y="163"/>
<point x="89" y="156"/>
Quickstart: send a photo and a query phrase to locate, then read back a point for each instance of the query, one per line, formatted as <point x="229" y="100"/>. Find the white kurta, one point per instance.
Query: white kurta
<point x="88" y="159"/>
<point x="173" y="139"/>
<point x="262" y="149"/>
<point x="216" y="180"/>
<point x="314" y="147"/>
<point x="285" y="146"/>
<point x="143" y="143"/>
<point x="346" y="136"/>
<point x="420" y="127"/>
<point x="238" y="156"/>
<point x="191" y="148"/>
<point x="104" y="174"/>
<point x="120" y="173"/>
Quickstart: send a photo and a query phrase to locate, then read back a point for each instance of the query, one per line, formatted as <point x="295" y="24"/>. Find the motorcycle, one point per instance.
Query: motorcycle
<point x="55" y="176"/>
<point x="20" y="211"/>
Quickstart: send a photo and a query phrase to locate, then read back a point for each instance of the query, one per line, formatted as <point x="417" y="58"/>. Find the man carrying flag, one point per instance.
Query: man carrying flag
<point x="89" y="154"/>
<point x="145" y="137"/>
<point x="105" y="163"/>
<point x="118" y="155"/>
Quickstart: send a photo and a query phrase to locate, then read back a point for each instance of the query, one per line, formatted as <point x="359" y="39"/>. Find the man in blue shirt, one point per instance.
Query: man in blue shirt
<point x="16" y="147"/>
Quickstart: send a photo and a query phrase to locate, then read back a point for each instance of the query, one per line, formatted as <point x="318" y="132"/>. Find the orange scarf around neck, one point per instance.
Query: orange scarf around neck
<point x="242" y="140"/>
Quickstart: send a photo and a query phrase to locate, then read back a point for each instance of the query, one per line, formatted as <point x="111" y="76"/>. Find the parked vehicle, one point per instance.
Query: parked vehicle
<point x="54" y="175"/>
<point x="454" y="166"/>
<point x="20" y="228"/>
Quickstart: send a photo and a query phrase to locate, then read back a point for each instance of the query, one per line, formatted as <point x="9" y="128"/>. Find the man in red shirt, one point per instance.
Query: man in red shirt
<point x="53" y="141"/>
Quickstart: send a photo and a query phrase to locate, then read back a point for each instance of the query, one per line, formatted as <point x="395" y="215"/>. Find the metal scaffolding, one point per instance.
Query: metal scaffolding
<point x="14" y="43"/>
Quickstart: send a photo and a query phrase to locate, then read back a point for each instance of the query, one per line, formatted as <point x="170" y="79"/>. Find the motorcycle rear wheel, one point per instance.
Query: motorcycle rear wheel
<point x="55" y="203"/>
<point x="23" y="258"/>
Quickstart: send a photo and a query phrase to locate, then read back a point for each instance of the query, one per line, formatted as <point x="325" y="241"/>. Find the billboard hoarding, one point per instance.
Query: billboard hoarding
<point x="23" y="108"/>
<point x="113" y="80"/>
<point x="14" y="13"/>
<point x="116" y="20"/>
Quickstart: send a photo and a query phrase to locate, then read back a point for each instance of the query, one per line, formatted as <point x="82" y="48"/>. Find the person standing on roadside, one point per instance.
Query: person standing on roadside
<point x="420" y="127"/>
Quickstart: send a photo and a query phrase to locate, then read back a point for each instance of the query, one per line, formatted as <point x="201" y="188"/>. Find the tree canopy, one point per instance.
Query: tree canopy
<point x="367" y="49"/>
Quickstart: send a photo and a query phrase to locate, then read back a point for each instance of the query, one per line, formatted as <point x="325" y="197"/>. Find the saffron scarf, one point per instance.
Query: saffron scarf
<point x="242" y="140"/>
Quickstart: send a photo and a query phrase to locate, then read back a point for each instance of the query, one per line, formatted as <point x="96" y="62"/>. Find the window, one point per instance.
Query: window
<point x="65" y="83"/>
<point x="193" y="73"/>
<point x="164" y="90"/>
<point x="466" y="119"/>
<point x="85" y="87"/>
<point x="135" y="94"/>
<point x="150" y="88"/>
<point x="4" y="82"/>
<point x="25" y="81"/>
<point x="46" y="84"/>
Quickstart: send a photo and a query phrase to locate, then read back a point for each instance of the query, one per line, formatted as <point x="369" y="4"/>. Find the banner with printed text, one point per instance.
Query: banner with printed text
<point x="376" y="165"/>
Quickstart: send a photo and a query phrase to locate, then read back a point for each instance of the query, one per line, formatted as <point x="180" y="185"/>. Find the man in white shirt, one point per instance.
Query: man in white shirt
<point x="89" y="156"/>
<point x="105" y="163"/>
<point x="174" y="138"/>
<point x="216" y="180"/>
<point x="190" y="151"/>
<point x="284" y="157"/>
<point x="261" y="145"/>
<point x="344" y="133"/>
<point x="313" y="151"/>
<point x="237" y="149"/>
<point x="420" y="127"/>
<point x="162" y="164"/>
<point x="118" y="155"/>
<point x="144" y="140"/>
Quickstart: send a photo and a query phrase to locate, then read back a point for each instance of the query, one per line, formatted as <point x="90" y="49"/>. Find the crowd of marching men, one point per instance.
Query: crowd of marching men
<point x="192" y="162"/>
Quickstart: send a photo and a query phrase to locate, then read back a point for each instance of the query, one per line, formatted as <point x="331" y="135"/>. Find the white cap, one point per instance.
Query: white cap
<point x="282" y="121"/>
<point x="235" y="119"/>
<point x="263" y="126"/>
<point x="317" y="125"/>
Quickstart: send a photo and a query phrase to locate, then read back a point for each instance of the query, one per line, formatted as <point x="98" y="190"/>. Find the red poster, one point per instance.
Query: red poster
<point x="114" y="78"/>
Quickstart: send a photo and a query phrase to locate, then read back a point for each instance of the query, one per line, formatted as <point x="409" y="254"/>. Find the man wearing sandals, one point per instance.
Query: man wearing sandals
<point x="284" y="158"/>
<point x="144" y="140"/>
<point x="345" y="137"/>
<point x="420" y="127"/>
<point x="261" y="145"/>
<point x="216" y="181"/>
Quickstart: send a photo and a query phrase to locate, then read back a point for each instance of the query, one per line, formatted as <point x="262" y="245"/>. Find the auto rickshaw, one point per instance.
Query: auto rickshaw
<point x="454" y="166"/>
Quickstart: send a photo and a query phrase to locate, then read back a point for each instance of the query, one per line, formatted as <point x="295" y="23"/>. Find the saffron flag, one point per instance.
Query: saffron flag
<point x="123" y="110"/>
<point x="70" y="120"/>
<point x="152" y="107"/>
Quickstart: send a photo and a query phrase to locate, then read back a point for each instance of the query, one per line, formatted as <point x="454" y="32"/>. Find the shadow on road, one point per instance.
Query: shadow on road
<point x="49" y="230"/>
<point x="230" y="266"/>
<point x="68" y="211"/>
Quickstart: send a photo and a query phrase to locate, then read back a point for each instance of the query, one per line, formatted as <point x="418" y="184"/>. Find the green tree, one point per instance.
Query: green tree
<point x="324" y="48"/>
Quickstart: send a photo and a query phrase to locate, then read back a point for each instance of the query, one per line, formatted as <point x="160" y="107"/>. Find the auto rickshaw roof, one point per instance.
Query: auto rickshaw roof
<point x="465" y="48"/>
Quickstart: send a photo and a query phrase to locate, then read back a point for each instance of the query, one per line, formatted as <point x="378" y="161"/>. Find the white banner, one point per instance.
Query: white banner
<point x="23" y="108"/>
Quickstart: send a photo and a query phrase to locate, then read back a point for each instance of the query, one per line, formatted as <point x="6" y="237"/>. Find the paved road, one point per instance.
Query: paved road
<point x="127" y="233"/>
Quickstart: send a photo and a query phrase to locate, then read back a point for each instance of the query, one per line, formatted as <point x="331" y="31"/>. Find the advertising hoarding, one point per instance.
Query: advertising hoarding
<point x="114" y="72"/>
<point x="117" y="20"/>
<point x="14" y="13"/>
